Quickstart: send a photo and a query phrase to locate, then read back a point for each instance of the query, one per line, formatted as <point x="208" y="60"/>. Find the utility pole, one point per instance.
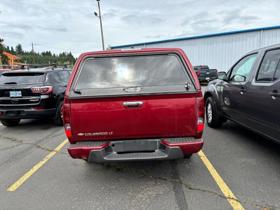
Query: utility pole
<point x="33" y="59"/>
<point x="100" y="21"/>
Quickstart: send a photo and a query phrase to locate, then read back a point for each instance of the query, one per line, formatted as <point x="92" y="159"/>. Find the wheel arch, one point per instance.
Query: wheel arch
<point x="207" y="95"/>
<point x="212" y="92"/>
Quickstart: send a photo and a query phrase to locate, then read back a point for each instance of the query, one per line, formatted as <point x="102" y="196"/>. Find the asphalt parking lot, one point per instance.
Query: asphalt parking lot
<point x="247" y="164"/>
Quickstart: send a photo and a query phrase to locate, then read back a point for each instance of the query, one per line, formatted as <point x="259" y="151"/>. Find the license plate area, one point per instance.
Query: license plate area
<point x="15" y="94"/>
<point x="135" y="146"/>
<point x="13" y="113"/>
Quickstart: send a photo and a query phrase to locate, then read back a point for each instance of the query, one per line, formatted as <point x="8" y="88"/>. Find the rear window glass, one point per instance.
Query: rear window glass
<point x="21" y="78"/>
<point x="130" y="71"/>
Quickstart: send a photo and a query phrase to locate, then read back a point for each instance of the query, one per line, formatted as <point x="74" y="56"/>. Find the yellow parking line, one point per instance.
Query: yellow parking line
<point x="35" y="168"/>
<point x="236" y="205"/>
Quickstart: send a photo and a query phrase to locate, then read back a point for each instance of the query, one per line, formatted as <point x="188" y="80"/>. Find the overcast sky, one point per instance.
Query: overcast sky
<point x="70" y="25"/>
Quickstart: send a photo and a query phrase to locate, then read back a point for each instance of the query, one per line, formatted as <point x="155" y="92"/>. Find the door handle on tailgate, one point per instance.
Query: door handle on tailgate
<point x="132" y="103"/>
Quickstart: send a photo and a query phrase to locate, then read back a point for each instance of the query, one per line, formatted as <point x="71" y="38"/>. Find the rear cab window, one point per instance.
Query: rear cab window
<point x="21" y="78"/>
<point x="137" y="74"/>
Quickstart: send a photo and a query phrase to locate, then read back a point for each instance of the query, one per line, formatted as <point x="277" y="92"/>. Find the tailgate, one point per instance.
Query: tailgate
<point x="133" y="117"/>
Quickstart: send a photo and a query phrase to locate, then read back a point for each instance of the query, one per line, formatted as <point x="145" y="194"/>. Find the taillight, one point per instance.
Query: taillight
<point x="66" y="118"/>
<point x="68" y="131"/>
<point x="66" y="110"/>
<point x="42" y="90"/>
<point x="197" y="73"/>
<point x="200" y="125"/>
<point x="200" y="117"/>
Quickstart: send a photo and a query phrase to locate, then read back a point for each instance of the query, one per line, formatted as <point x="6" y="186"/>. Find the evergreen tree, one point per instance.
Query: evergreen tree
<point x="19" y="50"/>
<point x="46" y="57"/>
<point x="13" y="51"/>
<point x="8" y="49"/>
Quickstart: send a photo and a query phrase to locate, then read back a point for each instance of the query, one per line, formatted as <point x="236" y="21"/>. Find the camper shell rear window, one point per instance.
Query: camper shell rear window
<point x="132" y="74"/>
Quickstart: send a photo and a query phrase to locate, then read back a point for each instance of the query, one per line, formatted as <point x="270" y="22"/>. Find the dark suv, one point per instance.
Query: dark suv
<point x="32" y="94"/>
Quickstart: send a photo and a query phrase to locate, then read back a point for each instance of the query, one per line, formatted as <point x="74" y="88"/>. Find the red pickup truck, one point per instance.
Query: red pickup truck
<point x="123" y="105"/>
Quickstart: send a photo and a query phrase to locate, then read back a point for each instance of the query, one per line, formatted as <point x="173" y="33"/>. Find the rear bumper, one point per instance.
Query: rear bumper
<point x="26" y="113"/>
<point x="133" y="150"/>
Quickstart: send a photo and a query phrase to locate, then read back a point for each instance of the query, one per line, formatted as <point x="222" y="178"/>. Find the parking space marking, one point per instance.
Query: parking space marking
<point x="236" y="205"/>
<point x="36" y="167"/>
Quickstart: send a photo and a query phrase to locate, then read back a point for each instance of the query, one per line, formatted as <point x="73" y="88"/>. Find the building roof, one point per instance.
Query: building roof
<point x="10" y="56"/>
<point x="198" y="37"/>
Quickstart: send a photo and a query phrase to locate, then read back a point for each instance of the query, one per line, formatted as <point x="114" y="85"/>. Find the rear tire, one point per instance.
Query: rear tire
<point x="59" y="114"/>
<point x="213" y="117"/>
<point x="188" y="156"/>
<point x="10" y="122"/>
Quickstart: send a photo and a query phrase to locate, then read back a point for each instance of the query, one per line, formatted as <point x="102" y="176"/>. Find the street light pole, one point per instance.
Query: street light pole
<point x="101" y="27"/>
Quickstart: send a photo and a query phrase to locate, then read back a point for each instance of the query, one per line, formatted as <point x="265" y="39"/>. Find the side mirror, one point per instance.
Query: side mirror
<point x="222" y="75"/>
<point x="239" y="78"/>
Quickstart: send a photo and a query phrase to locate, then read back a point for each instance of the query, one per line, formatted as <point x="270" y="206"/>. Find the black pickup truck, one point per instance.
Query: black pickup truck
<point x="249" y="93"/>
<point x="205" y="74"/>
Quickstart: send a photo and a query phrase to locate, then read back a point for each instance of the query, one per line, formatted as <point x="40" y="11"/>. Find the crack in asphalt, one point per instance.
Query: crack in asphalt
<point x="192" y="188"/>
<point x="178" y="187"/>
<point x="21" y="142"/>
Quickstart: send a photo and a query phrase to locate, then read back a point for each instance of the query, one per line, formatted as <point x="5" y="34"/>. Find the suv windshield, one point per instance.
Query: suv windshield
<point x="130" y="71"/>
<point x="21" y="78"/>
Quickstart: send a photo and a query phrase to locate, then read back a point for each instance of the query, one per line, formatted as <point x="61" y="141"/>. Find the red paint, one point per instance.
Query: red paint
<point x="160" y="116"/>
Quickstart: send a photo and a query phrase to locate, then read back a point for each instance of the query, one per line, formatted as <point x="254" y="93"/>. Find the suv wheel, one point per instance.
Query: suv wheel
<point x="213" y="117"/>
<point x="10" y="122"/>
<point x="59" y="114"/>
